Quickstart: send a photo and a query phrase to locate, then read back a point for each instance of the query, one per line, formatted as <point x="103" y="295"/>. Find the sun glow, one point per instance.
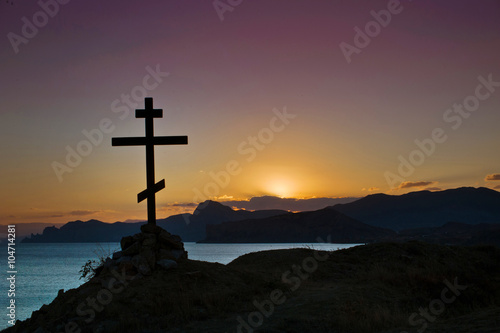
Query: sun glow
<point x="282" y="188"/>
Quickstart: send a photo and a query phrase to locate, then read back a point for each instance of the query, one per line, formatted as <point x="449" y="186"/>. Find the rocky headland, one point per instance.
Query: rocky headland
<point x="151" y="286"/>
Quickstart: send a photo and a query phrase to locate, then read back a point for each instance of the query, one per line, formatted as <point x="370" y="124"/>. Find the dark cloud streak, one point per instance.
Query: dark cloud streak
<point x="82" y="212"/>
<point x="492" y="177"/>
<point x="409" y="184"/>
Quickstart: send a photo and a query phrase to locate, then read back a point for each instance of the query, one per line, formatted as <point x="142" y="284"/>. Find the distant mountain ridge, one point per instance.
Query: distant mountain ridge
<point x="417" y="215"/>
<point x="84" y="232"/>
<point x="25" y="229"/>
<point x="426" y="209"/>
<point x="296" y="228"/>
<point x="191" y="227"/>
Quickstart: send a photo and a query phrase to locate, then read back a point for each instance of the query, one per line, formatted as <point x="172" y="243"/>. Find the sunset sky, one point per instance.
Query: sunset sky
<point x="281" y="98"/>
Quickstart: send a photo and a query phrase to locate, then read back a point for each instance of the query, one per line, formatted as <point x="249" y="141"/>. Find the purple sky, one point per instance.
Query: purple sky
<point x="351" y="120"/>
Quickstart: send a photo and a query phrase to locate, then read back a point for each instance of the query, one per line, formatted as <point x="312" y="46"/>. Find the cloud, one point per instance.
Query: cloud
<point x="133" y="220"/>
<point x="182" y="204"/>
<point x="39" y="213"/>
<point x="404" y="185"/>
<point x="224" y="197"/>
<point x="433" y="189"/>
<point x="291" y="204"/>
<point x="371" y="189"/>
<point x="178" y="208"/>
<point x="82" y="212"/>
<point x="495" y="176"/>
<point x="497" y="187"/>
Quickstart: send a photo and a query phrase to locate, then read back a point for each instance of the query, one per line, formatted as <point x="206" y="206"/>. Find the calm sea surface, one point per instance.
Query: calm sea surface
<point x="44" y="269"/>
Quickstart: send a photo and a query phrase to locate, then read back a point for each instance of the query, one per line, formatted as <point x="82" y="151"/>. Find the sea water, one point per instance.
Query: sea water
<point x="44" y="269"/>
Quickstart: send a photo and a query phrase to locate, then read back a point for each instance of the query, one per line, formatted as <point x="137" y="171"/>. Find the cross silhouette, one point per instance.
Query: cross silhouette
<point x="150" y="141"/>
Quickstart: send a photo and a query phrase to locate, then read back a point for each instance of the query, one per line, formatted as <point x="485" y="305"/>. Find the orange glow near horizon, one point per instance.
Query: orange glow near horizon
<point x="280" y="187"/>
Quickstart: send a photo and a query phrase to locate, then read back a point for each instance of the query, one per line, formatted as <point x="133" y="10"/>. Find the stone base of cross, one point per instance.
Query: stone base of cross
<point x="150" y="141"/>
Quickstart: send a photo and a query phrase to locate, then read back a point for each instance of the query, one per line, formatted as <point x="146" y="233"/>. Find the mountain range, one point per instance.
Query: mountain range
<point x="25" y="229"/>
<point x="426" y="209"/>
<point x="191" y="227"/>
<point x="460" y="215"/>
<point x="305" y="227"/>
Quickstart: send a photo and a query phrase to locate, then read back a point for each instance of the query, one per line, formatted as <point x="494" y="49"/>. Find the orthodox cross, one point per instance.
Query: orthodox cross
<point x="150" y="141"/>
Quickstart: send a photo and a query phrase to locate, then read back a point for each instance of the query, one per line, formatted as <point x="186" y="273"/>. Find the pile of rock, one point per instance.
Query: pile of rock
<point x="152" y="248"/>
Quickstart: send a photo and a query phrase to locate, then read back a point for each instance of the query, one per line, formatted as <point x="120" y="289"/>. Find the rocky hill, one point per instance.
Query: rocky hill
<point x="455" y="233"/>
<point x="383" y="287"/>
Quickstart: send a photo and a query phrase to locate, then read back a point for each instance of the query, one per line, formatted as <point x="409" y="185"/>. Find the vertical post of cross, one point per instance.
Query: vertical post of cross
<point x="150" y="141"/>
<point x="149" y="114"/>
<point x="150" y="158"/>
